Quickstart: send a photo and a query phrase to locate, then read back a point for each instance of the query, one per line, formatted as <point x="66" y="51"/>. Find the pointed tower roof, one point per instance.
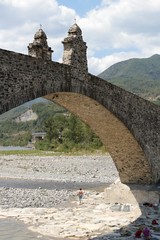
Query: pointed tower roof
<point x="75" y="30"/>
<point x="39" y="48"/>
<point x="40" y="34"/>
<point x="40" y="38"/>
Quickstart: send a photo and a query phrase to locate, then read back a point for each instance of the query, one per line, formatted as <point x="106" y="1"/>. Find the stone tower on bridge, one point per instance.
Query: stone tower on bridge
<point x="39" y="48"/>
<point x="75" y="52"/>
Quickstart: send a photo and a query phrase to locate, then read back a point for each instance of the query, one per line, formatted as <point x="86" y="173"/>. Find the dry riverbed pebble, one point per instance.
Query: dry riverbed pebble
<point x="70" y="171"/>
<point x="59" y="168"/>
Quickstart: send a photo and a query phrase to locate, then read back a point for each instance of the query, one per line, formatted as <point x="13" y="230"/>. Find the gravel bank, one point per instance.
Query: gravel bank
<point x="59" y="168"/>
<point x="70" y="170"/>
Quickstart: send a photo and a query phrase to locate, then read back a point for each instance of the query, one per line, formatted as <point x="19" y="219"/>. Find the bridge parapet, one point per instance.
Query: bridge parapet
<point x="141" y="117"/>
<point x="24" y="78"/>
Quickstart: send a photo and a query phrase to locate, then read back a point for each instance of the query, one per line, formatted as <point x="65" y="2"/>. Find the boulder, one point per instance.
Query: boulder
<point x="122" y="194"/>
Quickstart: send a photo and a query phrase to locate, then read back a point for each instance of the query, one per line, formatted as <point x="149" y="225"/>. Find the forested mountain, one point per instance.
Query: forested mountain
<point x="16" y="112"/>
<point x="13" y="132"/>
<point x="64" y="131"/>
<point x="139" y="76"/>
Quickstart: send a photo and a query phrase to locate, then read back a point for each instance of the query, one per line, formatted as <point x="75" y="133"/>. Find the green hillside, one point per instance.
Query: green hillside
<point x="19" y="133"/>
<point x="139" y="76"/>
<point x="15" y="112"/>
<point x="64" y="131"/>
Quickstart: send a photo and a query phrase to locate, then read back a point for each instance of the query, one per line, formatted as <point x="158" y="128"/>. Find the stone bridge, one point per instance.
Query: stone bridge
<point x="128" y="125"/>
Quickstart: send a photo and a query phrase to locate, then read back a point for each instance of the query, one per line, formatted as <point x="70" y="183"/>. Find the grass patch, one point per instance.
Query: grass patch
<point x="27" y="152"/>
<point x="51" y="153"/>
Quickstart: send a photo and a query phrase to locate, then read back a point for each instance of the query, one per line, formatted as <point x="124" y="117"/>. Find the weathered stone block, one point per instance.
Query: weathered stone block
<point x="119" y="193"/>
<point x="122" y="194"/>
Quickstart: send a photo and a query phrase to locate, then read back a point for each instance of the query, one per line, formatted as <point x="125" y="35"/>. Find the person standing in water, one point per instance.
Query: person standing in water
<point x="80" y="195"/>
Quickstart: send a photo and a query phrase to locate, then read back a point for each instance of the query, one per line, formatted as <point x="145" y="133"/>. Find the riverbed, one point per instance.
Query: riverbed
<point x="32" y="182"/>
<point x="38" y="199"/>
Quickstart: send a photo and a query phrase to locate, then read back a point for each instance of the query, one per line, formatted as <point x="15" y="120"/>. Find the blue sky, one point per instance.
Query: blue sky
<point x="80" y="6"/>
<point x="114" y="30"/>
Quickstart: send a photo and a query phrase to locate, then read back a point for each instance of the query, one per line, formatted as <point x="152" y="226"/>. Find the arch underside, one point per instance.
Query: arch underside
<point x="131" y="163"/>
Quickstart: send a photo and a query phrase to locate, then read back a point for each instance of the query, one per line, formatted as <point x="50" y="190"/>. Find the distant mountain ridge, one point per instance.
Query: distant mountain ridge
<point x="139" y="76"/>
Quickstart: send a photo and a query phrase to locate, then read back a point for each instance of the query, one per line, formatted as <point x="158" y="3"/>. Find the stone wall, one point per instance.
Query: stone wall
<point x="75" y="53"/>
<point x="141" y="117"/>
<point x="24" y="78"/>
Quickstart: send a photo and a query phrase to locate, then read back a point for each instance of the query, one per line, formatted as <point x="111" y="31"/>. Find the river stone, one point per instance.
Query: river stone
<point x="116" y="207"/>
<point x="126" y="208"/>
<point x="119" y="193"/>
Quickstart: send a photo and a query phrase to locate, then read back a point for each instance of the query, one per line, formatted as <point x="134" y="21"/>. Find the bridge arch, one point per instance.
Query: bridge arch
<point x="126" y="153"/>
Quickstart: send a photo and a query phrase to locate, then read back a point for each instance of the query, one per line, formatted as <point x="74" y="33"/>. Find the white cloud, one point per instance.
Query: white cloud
<point x="98" y="65"/>
<point x="115" y="30"/>
<point x="21" y="19"/>
<point x="122" y="26"/>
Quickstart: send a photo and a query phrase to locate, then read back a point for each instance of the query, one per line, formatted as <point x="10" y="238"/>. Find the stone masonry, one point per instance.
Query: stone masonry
<point x="39" y="48"/>
<point x="75" y="53"/>
<point x="128" y="125"/>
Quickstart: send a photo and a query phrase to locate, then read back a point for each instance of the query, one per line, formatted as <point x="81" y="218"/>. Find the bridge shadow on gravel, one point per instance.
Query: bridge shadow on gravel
<point x="128" y="232"/>
<point x="149" y="212"/>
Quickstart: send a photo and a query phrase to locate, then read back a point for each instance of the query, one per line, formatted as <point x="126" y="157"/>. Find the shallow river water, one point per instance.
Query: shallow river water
<point x="48" y="184"/>
<point x="13" y="230"/>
